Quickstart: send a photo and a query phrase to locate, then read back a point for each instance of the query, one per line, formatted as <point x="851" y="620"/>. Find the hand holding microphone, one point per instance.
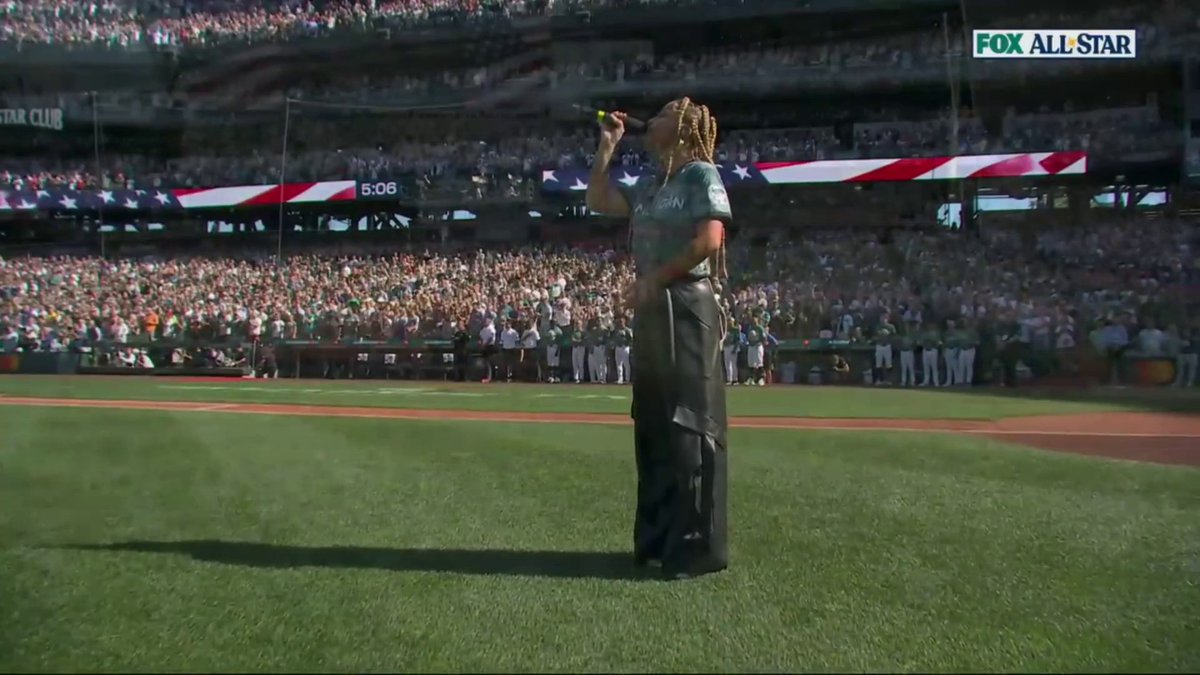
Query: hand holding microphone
<point x="612" y="124"/>
<point x="612" y="127"/>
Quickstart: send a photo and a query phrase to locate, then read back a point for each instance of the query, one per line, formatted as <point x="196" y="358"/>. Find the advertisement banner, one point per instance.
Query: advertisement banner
<point x="41" y="118"/>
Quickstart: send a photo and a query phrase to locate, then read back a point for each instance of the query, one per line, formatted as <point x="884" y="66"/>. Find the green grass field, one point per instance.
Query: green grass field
<point x="192" y="541"/>
<point x="845" y="402"/>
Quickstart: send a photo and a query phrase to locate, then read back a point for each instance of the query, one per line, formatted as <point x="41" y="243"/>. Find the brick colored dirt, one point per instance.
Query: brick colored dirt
<point x="1146" y="437"/>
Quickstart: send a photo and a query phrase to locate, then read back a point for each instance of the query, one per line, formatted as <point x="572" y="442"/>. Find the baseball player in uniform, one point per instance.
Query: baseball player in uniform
<point x="733" y="344"/>
<point x="551" y="340"/>
<point x="578" y="352"/>
<point x="930" y="340"/>
<point x="755" y="353"/>
<point x="950" y="354"/>
<point x="968" y="340"/>
<point x="1185" y="363"/>
<point x="883" y="349"/>
<point x="622" y="338"/>
<point x="908" y="363"/>
<point x="597" y="341"/>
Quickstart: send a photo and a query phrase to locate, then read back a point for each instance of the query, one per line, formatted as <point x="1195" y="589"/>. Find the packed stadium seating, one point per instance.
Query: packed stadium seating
<point x="1070" y="284"/>
<point x="836" y="284"/>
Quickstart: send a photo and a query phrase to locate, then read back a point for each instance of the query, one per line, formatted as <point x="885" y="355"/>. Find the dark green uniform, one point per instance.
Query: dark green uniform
<point x="553" y="338"/>
<point x="678" y="408"/>
<point x="1011" y="350"/>
<point x="930" y="340"/>
<point x="578" y="354"/>
<point x="597" y="346"/>
<point x="884" y="335"/>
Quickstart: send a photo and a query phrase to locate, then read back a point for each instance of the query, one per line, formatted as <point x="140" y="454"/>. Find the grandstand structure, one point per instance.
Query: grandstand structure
<point x="345" y="119"/>
<point x="389" y="124"/>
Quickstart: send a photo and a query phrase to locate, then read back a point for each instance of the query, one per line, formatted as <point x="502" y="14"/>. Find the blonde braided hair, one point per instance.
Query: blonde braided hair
<point x="701" y="141"/>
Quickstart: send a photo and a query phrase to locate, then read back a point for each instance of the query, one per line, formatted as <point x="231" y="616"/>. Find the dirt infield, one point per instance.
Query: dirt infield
<point x="1145" y="437"/>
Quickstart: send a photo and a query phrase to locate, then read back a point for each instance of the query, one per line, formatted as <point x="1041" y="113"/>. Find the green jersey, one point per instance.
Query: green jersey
<point x="597" y="337"/>
<point x="577" y="338"/>
<point x="930" y="339"/>
<point x="884" y="334"/>
<point x="905" y="342"/>
<point x="663" y="220"/>
<point x="1189" y="341"/>
<point x="552" y="336"/>
<point x="622" y="337"/>
<point x="968" y="339"/>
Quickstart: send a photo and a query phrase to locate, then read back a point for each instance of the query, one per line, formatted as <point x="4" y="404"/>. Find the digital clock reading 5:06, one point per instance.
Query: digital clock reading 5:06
<point x="389" y="188"/>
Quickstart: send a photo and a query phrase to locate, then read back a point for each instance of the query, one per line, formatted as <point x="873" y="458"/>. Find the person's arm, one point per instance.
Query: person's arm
<point x="602" y="196"/>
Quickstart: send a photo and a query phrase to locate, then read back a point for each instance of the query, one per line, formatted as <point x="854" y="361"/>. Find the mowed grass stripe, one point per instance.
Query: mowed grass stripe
<point x="775" y="401"/>
<point x="307" y="543"/>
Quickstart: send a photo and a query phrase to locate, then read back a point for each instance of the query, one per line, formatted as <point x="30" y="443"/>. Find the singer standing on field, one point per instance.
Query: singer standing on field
<point x="677" y="239"/>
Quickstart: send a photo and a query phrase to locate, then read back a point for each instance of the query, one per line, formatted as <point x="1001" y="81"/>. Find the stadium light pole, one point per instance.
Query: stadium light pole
<point x="287" y="116"/>
<point x="99" y="169"/>
<point x="952" y="81"/>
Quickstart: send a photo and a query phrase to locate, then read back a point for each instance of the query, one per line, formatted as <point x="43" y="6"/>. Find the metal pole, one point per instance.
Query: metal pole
<point x="99" y="168"/>
<point x="952" y="80"/>
<point x="287" y="114"/>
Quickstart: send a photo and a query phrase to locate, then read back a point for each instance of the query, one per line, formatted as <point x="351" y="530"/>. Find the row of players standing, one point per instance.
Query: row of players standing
<point x="571" y="353"/>
<point x="600" y="353"/>
<point x="596" y="354"/>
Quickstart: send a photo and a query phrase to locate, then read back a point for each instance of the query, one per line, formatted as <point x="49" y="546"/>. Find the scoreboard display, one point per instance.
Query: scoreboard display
<point x="381" y="190"/>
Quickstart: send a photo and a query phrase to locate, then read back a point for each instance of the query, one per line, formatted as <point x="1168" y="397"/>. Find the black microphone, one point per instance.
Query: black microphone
<point x="602" y="116"/>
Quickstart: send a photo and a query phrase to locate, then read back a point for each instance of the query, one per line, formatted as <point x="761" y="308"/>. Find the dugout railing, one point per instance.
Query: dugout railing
<point x="813" y="362"/>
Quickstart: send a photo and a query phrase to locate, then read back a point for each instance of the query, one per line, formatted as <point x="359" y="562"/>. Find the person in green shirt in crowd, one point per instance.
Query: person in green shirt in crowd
<point x="930" y="340"/>
<point x="882" y="338"/>
<point x="905" y="342"/>
<point x="552" y="341"/>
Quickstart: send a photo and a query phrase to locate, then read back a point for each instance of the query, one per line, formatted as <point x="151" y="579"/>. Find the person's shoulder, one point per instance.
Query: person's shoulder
<point x="701" y="171"/>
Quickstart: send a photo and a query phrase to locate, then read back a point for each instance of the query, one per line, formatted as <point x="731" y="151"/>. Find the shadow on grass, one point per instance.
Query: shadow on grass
<point x="560" y="564"/>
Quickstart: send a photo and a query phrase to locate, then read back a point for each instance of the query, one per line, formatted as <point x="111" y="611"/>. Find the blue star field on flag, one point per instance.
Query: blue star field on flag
<point x="575" y="179"/>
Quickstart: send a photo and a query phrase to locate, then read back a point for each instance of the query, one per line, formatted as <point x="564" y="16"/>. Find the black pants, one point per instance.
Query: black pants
<point x="680" y="430"/>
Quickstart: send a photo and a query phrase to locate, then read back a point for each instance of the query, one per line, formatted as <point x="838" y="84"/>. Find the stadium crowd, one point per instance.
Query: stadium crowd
<point x="378" y="147"/>
<point x="129" y="23"/>
<point x="190" y="23"/>
<point x="1112" y="284"/>
<point x="379" y="151"/>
